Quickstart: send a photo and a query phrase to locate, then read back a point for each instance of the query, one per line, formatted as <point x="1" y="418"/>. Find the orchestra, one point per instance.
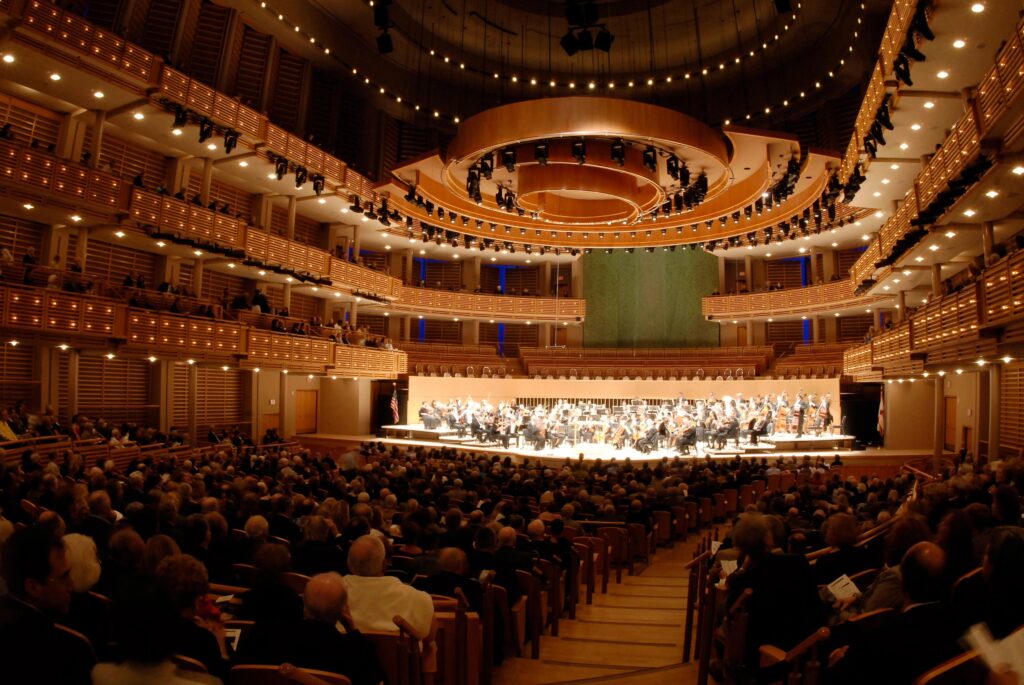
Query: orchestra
<point x="681" y="425"/>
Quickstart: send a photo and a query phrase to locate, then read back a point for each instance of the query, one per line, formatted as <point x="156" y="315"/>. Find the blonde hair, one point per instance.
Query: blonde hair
<point x="85" y="565"/>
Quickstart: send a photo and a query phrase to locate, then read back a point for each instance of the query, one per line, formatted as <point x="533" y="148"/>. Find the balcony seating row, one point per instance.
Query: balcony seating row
<point x="811" y="299"/>
<point x="76" y="317"/>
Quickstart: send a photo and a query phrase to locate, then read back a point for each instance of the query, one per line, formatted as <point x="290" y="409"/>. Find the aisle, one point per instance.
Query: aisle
<point x="632" y="635"/>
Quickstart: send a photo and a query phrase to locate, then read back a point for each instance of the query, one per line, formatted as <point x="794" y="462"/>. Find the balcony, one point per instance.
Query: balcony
<point x="813" y="299"/>
<point x="507" y="308"/>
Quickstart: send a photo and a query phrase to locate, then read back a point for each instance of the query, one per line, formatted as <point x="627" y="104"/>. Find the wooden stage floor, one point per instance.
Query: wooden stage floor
<point x="855" y="461"/>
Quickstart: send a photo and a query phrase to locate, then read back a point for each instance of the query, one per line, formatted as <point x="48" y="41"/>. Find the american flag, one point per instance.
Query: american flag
<point x="394" y="405"/>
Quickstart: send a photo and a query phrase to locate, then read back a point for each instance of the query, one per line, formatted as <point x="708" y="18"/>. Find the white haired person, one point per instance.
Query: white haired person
<point x="88" y="613"/>
<point x="375" y="599"/>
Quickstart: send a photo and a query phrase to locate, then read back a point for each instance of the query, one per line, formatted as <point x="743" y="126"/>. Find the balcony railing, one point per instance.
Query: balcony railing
<point x="545" y="309"/>
<point x="811" y="299"/>
<point x="53" y="311"/>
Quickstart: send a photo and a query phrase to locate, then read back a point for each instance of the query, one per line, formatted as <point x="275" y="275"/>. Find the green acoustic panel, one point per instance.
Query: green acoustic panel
<point x="648" y="299"/>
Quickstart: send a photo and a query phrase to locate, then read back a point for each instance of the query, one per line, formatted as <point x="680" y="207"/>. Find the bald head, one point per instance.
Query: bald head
<point x="507" y="537"/>
<point x="452" y="560"/>
<point x="366" y="557"/>
<point x="325" y="597"/>
<point x="536" y="529"/>
<point x="922" y="573"/>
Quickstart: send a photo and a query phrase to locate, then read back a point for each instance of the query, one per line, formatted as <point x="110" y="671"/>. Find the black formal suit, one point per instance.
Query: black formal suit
<point x="312" y="644"/>
<point x="784" y="607"/>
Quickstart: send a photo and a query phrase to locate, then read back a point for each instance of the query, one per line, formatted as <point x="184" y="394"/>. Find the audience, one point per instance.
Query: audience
<point x="375" y="599"/>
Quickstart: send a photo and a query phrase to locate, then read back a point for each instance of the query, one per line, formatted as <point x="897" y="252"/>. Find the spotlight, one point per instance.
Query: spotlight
<point x="651" y="159"/>
<point x="385" y="44"/>
<point x="618" y="151"/>
<point x="355" y="207"/>
<point x="508" y="159"/>
<point x="381" y="18"/>
<point x="300" y="176"/>
<point x="205" y="130"/>
<point x="585" y="39"/>
<point x="540" y="153"/>
<point x="280" y="167"/>
<point x="318" y="184"/>
<point x="410" y="195"/>
<point x="579" y="151"/>
<point x="604" y="40"/>
<point x="487" y="165"/>
<point x="570" y="44"/>
<point x="230" y="140"/>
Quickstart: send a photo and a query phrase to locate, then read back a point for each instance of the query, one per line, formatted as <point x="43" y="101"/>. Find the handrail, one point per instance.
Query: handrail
<point x="813" y="298"/>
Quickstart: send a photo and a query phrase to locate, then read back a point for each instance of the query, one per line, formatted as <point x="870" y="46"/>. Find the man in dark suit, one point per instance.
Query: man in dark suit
<point x="315" y="642"/>
<point x="38" y="578"/>
<point x="921" y="636"/>
<point x="453" y="573"/>
<point x="784" y="607"/>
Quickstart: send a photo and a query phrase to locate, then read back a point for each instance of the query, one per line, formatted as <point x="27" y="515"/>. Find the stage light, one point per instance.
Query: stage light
<point x="384" y="44"/>
<point x="579" y="151"/>
<point x="618" y="152"/>
<point x="230" y="140"/>
<point x="318" y="184"/>
<point x="604" y="40"/>
<point x="540" y="153"/>
<point x="300" y="176"/>
<point x="651" y="159"/>
<point x="355" y="206"/>
<point x="585" y="40"/>
<point x="508" y="159"/>
<point x="280" y="167"/>
<point x="570" y="44"/>
<point x="205" y="130"/>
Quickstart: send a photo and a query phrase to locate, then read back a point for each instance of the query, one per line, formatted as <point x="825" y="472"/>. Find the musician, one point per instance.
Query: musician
<point x="427" y="416"/>
<point x="825" y="413"/>
<point x="686" y="436"/>
<point x="799" y="408"/>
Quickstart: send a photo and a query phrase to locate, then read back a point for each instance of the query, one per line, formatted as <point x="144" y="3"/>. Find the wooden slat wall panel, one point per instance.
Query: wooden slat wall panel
<point x="309" y="231"/>
<point x="220" y="398"/>
<point x="215" y="282"/>
<point x="114" y="389"/>
<point x="520" y="334"/>
<point x="208" y="43"/>
<point x="17" y="381"/>
<point x="518" y="279"/>
<point x="112" y="263"/>
<point x="785" y="271"/>
<point x="847" y="258"/>
<point x="305" y="306"/>
<point x="321" y="117"/>
<point x="785" y="331"/>
<point x="378" y="325"/>
<point x="159" y="27"/>
<point x="854" y="328"/>
<point x="17" y="235"/>
<point x="240" y="201"/>
<point x="29" y="122"/>
<point x="179" y="412"/>
<point x="441" y="275"/>
<point x="442" y="331"/>
<point x="127" y="160"/>
<point x="1011" y="409"/>
<point x="288" y="88"/>
<point x="252" y="62"/>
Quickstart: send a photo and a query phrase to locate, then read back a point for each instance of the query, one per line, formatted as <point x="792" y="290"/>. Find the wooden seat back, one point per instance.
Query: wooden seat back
<point x="663" y="523"/>
<point x="534" y="613"/>
<point x="679" y="522"/>
<point x="617" y="539"/>
<point x="398" y="654"/>
<point x="964" y="669"/>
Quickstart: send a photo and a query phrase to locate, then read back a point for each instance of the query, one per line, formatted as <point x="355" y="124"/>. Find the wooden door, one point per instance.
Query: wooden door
<point x="949" y="439"/>
<point x="741" y="336"/>
<point x="305" y="411"/>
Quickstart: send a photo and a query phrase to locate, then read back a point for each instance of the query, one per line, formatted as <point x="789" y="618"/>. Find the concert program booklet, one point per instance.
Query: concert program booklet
<point x="998" y="655"/>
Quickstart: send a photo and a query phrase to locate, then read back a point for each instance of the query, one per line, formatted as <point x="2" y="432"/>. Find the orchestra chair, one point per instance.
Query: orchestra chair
<point x="641" y="542"/>
<point x="678" y="523"/>
<point x="802" y="664"/>
<point x="692" y="515"/>
<point x="296" y="582"/>
<point x="617" y="539"/>
<point x="663" y="527"/>
<point x="600" y="556"/>
<point x="400" y="654"/>
<point x="964" y="669"/>
<point x="533" y="613"/>
<point x="285" y="674"/>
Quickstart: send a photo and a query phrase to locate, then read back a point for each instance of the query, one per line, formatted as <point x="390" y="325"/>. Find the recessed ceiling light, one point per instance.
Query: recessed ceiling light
<point x="969" y="212"/>
<point x="494" y="259"/>
<point x="63" y="347"/>
<point x="876" y="194"/>
<point x="1018" y="170"/>
<point x="423" y="252"/>
<point x="959" y="43"/>
<point x="211" y="146"/>
<point x="529" y="261"/>
<point x="119" y="234"/>
<point x="904" y="146"/>
<point x="139" y="116"/>
<point x="865" y="237"/>
<point x="55" y="76"/>
<point x="879" y="214"/>
<point x="9" y="58"/>
<point x="943" y="74"/>
<point x="321" y="201"/>
<point x="894" y="167"/>
<point x="151" y="358"/>
<point x="915" y="127"/>
<point x="906" y="272"/>
<point x="767" y="254"/>
<point x="243" y="164"/>
<point x="272" y="176"/>
<point x="161" y="243"/>
<point x="928" y="104"/>
<point x="933" y="248"/>
<point x="231" y="265"/>
<point x="978" y="7"/>
<point x="992" y="194"/>
<point x="262" y="272"/>
<point x="98" y="94"/>
<point x="885" y="181"/>
<point x="197" y="253"/>
<point x="109" y="355"/>
<point x="950" y="234"/>
<point x="76" y="218"/>
<point x="835" y="244"/>
<point x="288" y="279"/>
<point x="802" y="250"/>
<point x="918" y="259"/>
<point x="885" y="287"/>
<point x="176" y="131"/>
<point x="896" y="280"/>
<point x="29" y="206"/>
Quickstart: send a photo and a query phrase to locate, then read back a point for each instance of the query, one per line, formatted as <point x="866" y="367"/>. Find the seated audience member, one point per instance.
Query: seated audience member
<point x="419" y="561"/>
<point x="784" y="607"/>
<point x="144" y="627"/>
<point x="920" y="636"/>
<point x="840" y="533"/>
<point x="508" y="553"/>
<point x="1003" y="567"/>
<point x="38" y="578"/>
<point x="270" y="599"/>
<point x="158" y="548"/>
<point x="123" y="565"/>
<point x="317" y="553"/>
<point x="257" y="531"/>
<point x="452" y="574"/>
<point x="87" y="613"/>
<point x="484" y="558"/>
<point x="197" y="632"/>
<point x="375" y="599"/>
<point x="315" y="641"/>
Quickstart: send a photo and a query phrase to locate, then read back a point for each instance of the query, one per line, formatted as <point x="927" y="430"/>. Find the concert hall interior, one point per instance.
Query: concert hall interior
<point x="510" y="341"/>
